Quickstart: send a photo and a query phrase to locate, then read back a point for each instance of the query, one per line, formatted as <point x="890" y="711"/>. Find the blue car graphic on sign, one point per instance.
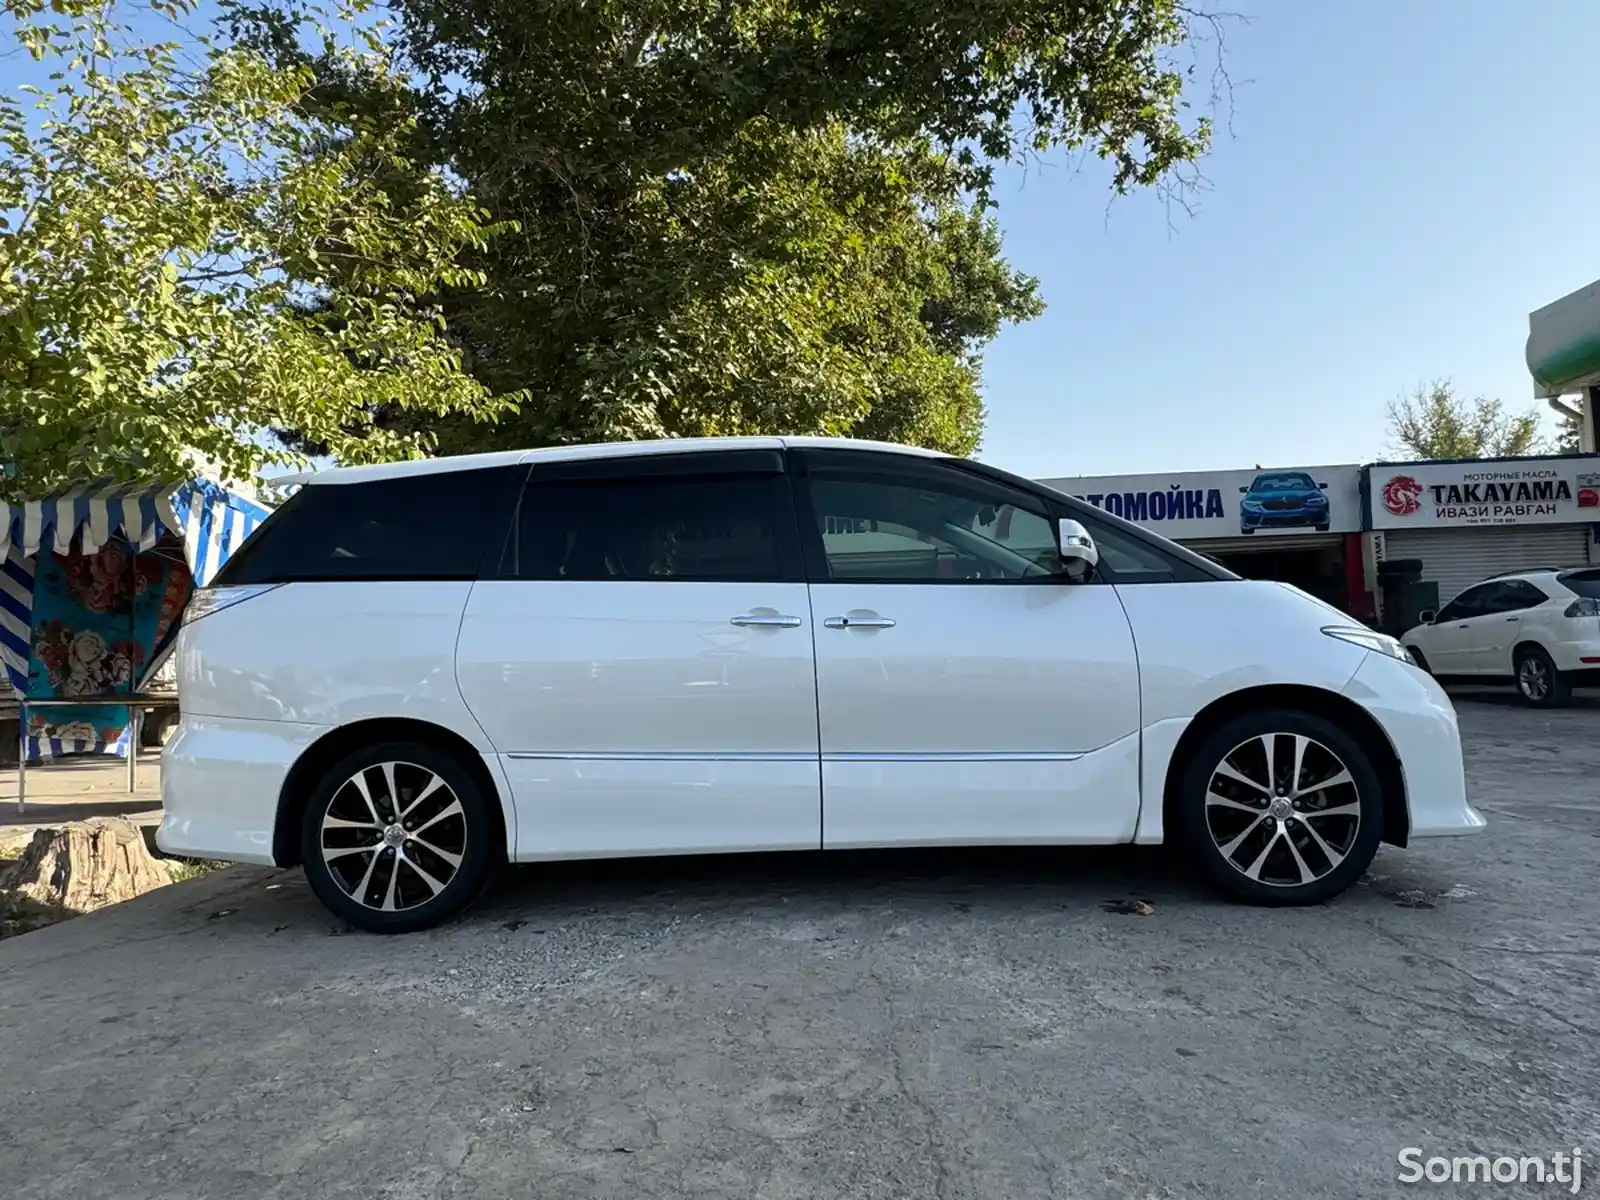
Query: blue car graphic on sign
<point x="1284" y="500"/>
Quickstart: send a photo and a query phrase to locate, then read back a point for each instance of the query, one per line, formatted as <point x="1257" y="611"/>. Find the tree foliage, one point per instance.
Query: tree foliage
<point x="745" y="216"/>
<point x="1569" y="428"/>
<point x="1432" y="422"/>
<point x="192" y="254"/>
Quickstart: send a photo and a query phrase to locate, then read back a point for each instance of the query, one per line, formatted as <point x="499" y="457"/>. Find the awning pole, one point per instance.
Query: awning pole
<point x="22" y="757"/>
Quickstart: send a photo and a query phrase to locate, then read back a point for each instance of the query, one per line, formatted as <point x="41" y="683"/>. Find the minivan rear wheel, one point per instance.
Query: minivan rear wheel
<point x="397" y="837"/>
<point x="1281" y="807"/>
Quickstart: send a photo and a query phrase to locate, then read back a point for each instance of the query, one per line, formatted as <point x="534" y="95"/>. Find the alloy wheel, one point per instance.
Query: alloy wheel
<point x="1533" y="677"/>
<point x="394" y="836"/>
<point x="1283" y="809"/>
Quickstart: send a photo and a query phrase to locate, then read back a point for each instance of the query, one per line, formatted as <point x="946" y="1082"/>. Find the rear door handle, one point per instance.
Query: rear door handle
<point x="859" y="623"/>
<point x="765" y="621"/>
<point x="1513" y="618"/>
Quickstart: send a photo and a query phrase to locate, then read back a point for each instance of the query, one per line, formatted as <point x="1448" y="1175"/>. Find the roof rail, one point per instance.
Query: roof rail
<point x="1523" y="571"/>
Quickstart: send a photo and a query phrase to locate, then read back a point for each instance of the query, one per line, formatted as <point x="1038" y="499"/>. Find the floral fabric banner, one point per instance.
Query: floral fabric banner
<point x="96" y="620"/>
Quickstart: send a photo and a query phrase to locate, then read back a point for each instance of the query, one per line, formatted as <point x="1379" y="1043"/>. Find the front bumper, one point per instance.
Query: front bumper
<point x="1421" y="725"/>
<point x="221" y="779"/>
<point x="1299" y="518"/>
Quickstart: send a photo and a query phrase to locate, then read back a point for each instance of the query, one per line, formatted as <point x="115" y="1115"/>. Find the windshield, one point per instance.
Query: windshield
<point x="1282" y="483"/>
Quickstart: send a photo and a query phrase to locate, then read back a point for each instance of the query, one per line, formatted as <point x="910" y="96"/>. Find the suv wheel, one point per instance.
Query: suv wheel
<point x="1538" y="681"/>
<point x="1281" y="807"/>
<point x="397" y="837"/>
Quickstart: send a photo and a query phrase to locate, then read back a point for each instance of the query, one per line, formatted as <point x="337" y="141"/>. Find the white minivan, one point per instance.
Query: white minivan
<point x="415" y="671"/>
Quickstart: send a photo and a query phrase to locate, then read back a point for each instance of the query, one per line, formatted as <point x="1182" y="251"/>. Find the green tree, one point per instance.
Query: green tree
<point x="1569" y="428"/>
<point x="191" y="254"/>
<point x="1433" y="422"/>
<point x="755" y="216"/>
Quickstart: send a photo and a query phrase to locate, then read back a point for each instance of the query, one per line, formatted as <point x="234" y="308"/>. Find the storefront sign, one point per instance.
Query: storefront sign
<point x="1534" y="491"/>
<point x="1219" y="504"/>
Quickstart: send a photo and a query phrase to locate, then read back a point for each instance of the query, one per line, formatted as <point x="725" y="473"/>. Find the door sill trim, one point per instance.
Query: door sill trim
<point x="662" y="756"/>
<point x="958" y="756"/>
<point x="930" y="756"/>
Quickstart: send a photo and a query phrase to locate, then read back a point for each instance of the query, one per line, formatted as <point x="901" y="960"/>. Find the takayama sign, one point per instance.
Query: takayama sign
<point x="1529" y="491"/>
<point x="1219" y="504"/>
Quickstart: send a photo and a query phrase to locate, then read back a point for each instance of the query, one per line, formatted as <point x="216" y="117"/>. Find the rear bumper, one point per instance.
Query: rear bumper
<point x="1421" y="724"/>
<point x="221" y="779"/>
<point x="1569" y="656"/>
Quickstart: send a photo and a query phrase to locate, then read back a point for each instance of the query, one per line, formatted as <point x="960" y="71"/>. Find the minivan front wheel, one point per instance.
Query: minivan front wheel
<point x="1281" y="807"/>
<point x="397" y="837"/>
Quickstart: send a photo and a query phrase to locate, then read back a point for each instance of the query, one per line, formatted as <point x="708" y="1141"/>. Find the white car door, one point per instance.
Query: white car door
<point x="644" y="665"/>
<point x="1493" y="634"/>
<point x="1451" y="642"/>
<point x="967" y="692"/>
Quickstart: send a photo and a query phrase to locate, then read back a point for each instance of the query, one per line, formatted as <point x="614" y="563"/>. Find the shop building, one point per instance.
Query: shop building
<point x="1460" y="522"/>
<point x="1299" y="525"/>
<point x="1563" y="356"/>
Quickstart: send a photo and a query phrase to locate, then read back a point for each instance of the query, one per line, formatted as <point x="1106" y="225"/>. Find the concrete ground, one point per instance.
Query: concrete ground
<point x="76" y="789"/>
<point x="947" y="1025"/>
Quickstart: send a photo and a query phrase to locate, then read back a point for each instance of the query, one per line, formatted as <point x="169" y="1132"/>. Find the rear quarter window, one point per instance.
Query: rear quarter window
<point x="433" y="526"/>
<point x="1584" y="583"/>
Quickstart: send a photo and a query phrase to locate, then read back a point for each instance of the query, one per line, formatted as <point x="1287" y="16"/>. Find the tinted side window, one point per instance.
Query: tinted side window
<point x="1469" y="603"/>
<point x="1517" y="595"/>
<point x="702" y="528"/>
<point x="1126" y="559"/>
<point x="927" y="526"/>
<point x="431" y="526"/>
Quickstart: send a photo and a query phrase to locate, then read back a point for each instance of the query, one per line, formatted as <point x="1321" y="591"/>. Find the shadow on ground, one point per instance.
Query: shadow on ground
<point x="1012" y="881"/>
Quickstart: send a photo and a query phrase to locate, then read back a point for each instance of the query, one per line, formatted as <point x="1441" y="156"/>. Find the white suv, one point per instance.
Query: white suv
<point x="413" y="672"/>
<point x="1540" y="628"/>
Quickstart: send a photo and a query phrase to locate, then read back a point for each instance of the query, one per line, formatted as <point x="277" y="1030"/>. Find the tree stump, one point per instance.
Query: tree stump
<point x="82" y="867"/>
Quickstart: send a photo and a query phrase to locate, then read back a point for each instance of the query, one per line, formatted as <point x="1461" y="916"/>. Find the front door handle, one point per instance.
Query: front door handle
<point x="859" y="623"/>
<point x="1513" y="618"/>
<point x="765" y="621"/>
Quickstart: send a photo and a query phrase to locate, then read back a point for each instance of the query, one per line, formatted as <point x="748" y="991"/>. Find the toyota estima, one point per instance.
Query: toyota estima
<point x="415" y="671"/>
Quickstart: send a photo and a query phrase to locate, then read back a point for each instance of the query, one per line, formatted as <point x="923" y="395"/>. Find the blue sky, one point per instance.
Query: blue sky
<point x="1405" y="181"/>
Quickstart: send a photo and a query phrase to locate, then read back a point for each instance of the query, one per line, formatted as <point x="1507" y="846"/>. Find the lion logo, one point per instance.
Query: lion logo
<point x="1402" y="495"/>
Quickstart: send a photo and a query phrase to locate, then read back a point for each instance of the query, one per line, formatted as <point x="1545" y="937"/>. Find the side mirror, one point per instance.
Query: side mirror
<point x="1245" y="490"/>
<point x="1323" y="486"/>
<point x="1078" y="552"/>
<point x="1427" y="616"/>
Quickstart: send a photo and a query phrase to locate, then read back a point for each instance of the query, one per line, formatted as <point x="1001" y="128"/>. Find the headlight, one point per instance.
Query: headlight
<point x="1370" y="639"/>
<point x="1251" y="505"/>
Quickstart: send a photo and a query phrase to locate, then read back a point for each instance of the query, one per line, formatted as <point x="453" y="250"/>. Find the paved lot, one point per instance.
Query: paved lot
<point x="951" y="1025"/>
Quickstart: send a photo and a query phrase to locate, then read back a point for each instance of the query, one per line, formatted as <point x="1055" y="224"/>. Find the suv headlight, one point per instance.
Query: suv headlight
<point x="1370" y="639"/>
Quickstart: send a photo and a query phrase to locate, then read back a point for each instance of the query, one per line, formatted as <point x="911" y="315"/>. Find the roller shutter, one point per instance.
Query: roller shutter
<point x="1456" y="559"/>
<point x="1273" y="543"/>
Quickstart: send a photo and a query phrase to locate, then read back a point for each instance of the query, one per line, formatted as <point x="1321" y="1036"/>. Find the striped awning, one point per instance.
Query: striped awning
<point x="211" y="520"/>
<point x="140" y="514"/>
<point x="214" y="521"/>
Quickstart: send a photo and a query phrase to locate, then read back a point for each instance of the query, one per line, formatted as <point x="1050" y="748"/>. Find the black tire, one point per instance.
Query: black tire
<point x="1533" y="667"/>
<point x="156" y="729"/>
<point x="1421" y="659"/>
<point x="1207" y="827"/>
<point x="469" y="836"/>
